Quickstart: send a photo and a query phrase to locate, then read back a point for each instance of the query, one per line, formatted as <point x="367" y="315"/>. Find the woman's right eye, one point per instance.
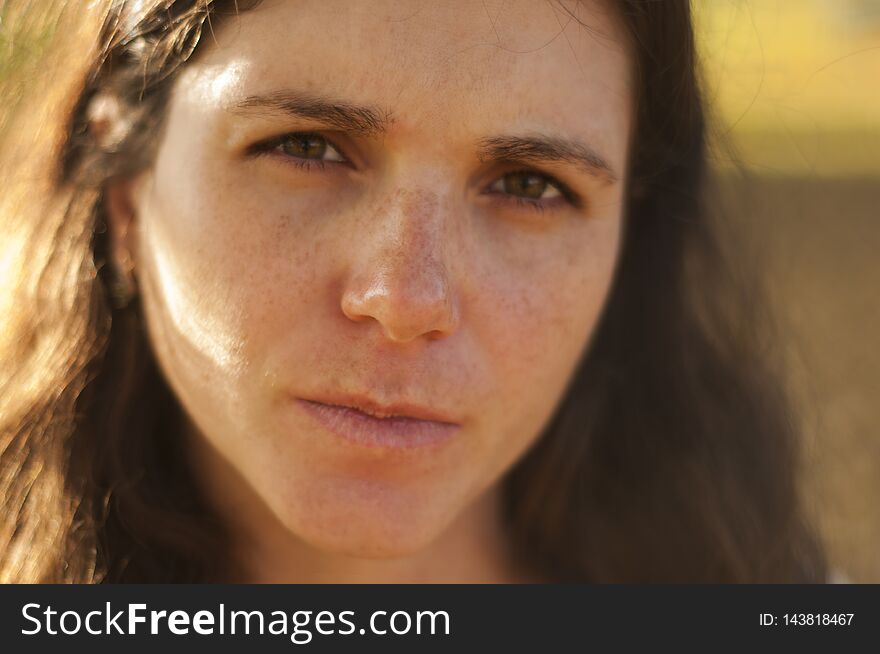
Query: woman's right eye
<point x="303" y="150"/>
<point x="309" y="146"/>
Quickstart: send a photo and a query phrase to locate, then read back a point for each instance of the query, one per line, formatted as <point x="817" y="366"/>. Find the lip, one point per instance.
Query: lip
<point x="393" y="426"/>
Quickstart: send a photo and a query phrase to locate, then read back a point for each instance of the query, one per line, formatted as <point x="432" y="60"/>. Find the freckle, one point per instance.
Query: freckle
<point x="282" y="226"/>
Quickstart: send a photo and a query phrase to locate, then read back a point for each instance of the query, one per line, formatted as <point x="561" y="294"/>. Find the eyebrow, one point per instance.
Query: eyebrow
<point x="370" y="120"/>
<point x="363" y="120"/>
<point x="538" y="149"/>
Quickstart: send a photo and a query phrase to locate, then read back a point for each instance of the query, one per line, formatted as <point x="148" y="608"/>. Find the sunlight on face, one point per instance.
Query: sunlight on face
<point x="406" y="205"/>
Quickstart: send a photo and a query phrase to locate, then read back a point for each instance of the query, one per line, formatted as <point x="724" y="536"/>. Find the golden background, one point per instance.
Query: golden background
<point x="795" y="86"/>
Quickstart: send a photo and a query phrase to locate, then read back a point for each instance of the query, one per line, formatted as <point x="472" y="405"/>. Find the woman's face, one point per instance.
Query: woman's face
<point x="409" y="207"/>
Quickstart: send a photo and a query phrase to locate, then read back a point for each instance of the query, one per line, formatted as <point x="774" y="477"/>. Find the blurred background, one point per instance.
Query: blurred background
<point x="795" y="88"/>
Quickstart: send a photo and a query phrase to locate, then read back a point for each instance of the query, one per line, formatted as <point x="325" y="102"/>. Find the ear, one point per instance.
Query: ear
<point x="121" y="208"/>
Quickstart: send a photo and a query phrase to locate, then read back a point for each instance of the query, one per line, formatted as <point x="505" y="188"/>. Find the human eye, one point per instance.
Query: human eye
<point x="533" y="190"/>
<point x="303" y="149"/>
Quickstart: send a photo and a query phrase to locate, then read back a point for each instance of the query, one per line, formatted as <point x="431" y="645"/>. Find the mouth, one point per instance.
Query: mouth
<point x="364" y="422"/>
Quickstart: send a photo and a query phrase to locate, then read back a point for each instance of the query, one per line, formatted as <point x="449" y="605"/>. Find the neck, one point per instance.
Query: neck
<point x="474" y="548"/>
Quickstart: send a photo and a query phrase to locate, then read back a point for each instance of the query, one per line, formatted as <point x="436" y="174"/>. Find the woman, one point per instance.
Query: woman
<point x="381" y="292"/>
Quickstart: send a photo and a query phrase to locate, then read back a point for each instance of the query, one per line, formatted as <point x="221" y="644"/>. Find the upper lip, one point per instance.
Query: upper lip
<point x="374" y="408"/>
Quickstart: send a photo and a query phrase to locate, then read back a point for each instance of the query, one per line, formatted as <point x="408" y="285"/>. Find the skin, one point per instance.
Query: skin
<point x="408" y="272"/>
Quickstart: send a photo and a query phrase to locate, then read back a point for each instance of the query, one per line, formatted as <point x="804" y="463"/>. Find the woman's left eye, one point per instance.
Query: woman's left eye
<point x="529" y="186"/>
<point x="309" y="146"/>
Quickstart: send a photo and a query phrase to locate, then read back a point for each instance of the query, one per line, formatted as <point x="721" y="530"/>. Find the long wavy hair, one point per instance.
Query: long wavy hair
<point x="673" y="456"/>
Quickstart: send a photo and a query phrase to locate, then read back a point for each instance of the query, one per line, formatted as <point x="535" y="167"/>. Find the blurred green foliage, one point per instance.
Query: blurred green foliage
<point x="26" y="31"/>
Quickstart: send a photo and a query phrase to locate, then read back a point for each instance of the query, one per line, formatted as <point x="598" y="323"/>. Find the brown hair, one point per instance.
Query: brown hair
<point x="672" y="456"/>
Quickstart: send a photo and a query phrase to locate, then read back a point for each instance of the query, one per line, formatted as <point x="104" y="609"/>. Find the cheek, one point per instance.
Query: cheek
<point x="223" y="261"/>
<point x="538" y="321"/>
<point x="202" y="273"/>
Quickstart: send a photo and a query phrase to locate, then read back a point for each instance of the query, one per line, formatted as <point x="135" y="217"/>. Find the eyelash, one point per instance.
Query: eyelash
<point x="308" y="164"/>
<point x="272" y="146"/>
<point x="566" y="194"/>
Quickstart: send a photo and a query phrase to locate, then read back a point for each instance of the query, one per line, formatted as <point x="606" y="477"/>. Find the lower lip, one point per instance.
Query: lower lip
<point x="394" y="433"/>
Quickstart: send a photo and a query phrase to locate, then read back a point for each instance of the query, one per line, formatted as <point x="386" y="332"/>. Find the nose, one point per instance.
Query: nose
<point x="401" y="279"/>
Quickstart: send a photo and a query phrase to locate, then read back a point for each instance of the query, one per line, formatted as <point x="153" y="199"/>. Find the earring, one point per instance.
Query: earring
<point x="123" y="287"/>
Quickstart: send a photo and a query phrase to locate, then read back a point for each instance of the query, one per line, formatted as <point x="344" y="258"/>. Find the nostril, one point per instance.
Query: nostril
<point x="405" y="305"/>
<point x="399" y="276"/>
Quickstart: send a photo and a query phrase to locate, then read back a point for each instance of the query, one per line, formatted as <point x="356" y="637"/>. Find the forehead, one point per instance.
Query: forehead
<point x="461" y="65"/>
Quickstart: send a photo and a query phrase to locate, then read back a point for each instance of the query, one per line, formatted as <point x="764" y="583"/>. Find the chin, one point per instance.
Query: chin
<point x="364" y="519"/>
